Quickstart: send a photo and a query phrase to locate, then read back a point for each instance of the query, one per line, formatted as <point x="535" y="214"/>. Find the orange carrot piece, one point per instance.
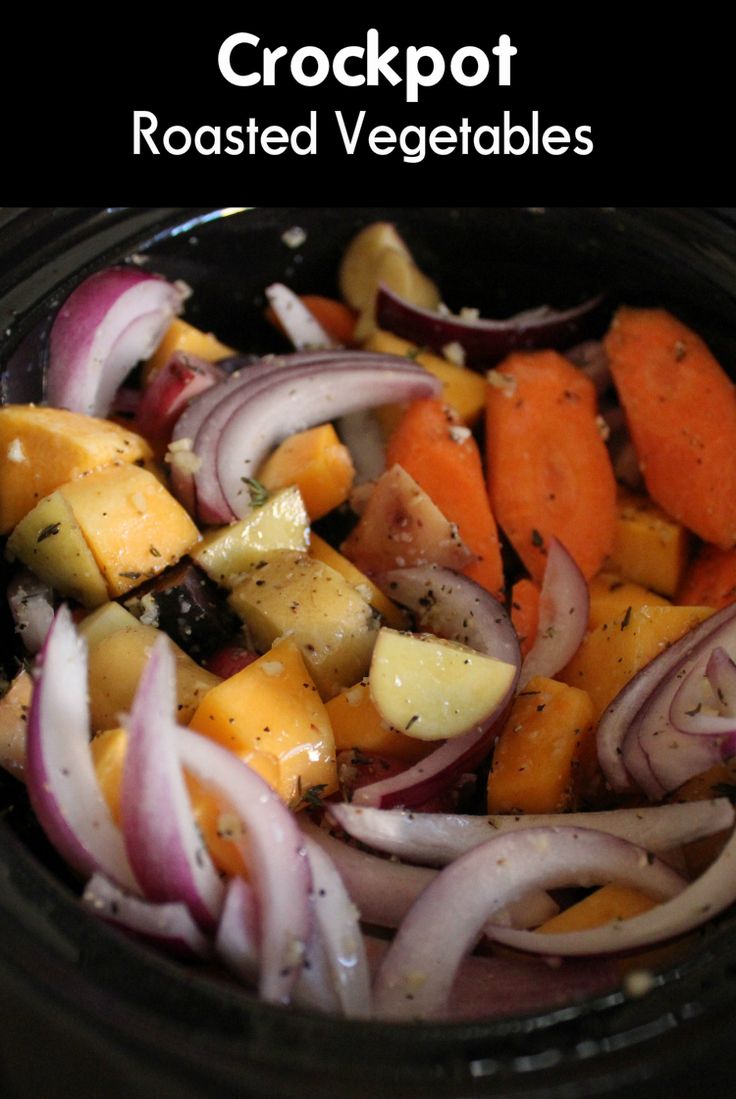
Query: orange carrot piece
<point x="681" y="410"/>
<point x="433" y="446"/>
<point x="525" y="612"/>
<point x="549" y="473"/>
<point x="336" y="318"/>
<point x="710" y="580"/>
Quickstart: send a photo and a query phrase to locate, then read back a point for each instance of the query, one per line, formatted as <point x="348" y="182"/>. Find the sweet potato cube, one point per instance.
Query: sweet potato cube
<point x="42" y="448"/>
<point x="542" y="757"/>
<point x="272" y="706"/>
<point x="133" y="525"/>
<point x="649" y="547"/>
<point x="613" y="652"/>
<point x="181" y="336"/>
<point x="317" y="463"/>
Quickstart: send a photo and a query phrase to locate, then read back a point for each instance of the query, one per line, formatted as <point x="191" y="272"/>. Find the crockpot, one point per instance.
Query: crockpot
<point x="87" y="1011"/>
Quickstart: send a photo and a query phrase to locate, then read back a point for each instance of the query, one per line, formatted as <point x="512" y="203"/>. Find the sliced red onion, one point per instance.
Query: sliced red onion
<point x="383" y="891"/>
<point x="172" y="388"/>
<point x="237" y="944"/>
<point x="721" y="672"/>
<point x="620" y="713"/>
<point x="299" y="323"/>
<point x="692" y="712"/>
<point x="434" y="773"/>
<point x="493" y="988"/>
<point x="273" y="848"/>
<point x="702" y="900"/>
<point x="31" y="603"/>
<point x="206" y="419"/>
<point x="658" y="757"/>
<point x="564" y="605"/>
<point x="362" y="434"/>
<point x="483" y="341"/>
<point x="456" y="608"/>
<point x="59" y="772"/>
<point x="163" y="842"/>
<point x="297" y="400"/>
<point x="110" y="322"/>
<point x="435" y="839"/>
<point x="237" y="941"/>
<point x="337" y="919"/>
<point x="416" y="976"/>
<point x="168" y="925"/>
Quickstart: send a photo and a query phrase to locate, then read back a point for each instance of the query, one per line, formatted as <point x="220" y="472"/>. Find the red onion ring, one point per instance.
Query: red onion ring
<point x="454" y="607"/>
<point x="383" y="891"/>
<point x="299" y="323"/>
<point x="687" y="713"/>
<point x="163" y="843"/>
<point x="59" y="772"/>
<point x="336" y="918"/>
<point x="702" y="900"/>
<point x="297" y="401"/>
<point x="620" y="714"/>
<point x="418" y="971"/>
<point x="483" y="341"/>
<point x="436" y="839"/>
<point x="168" y="925"/>
<point x="110" y="322"/>
<point x="564" y="606"/>
<point x="273" y="848"/>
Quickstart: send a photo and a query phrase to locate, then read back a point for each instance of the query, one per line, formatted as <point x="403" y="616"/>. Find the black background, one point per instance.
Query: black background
<point x="658" y="100"/>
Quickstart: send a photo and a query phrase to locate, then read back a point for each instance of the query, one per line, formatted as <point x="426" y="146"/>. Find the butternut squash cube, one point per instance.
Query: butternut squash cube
<point x="613" y="652"/>
<point x="42" y="448"/>
<point x="356" y="723"/>
<point x="272" y="706"/>
<point x="296" y="596"/>
<point x="608" y="904"/>
<point x="317" y="463"/>
<point x="133" y="525"/>
<point x="610" y="597"/>
<point x="649" y="547"/>
<point x="181" y="336"/>
<point x="281" y="523"/>
<point x="464" y="389"/>
<point x="544" y="754"/>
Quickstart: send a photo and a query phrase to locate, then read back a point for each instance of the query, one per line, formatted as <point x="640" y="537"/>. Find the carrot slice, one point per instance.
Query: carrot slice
<point x="549" y="473"/>
<point x="433" y="446"/>
<point x="681" y="410"/>
<point x="710" y="580"/>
